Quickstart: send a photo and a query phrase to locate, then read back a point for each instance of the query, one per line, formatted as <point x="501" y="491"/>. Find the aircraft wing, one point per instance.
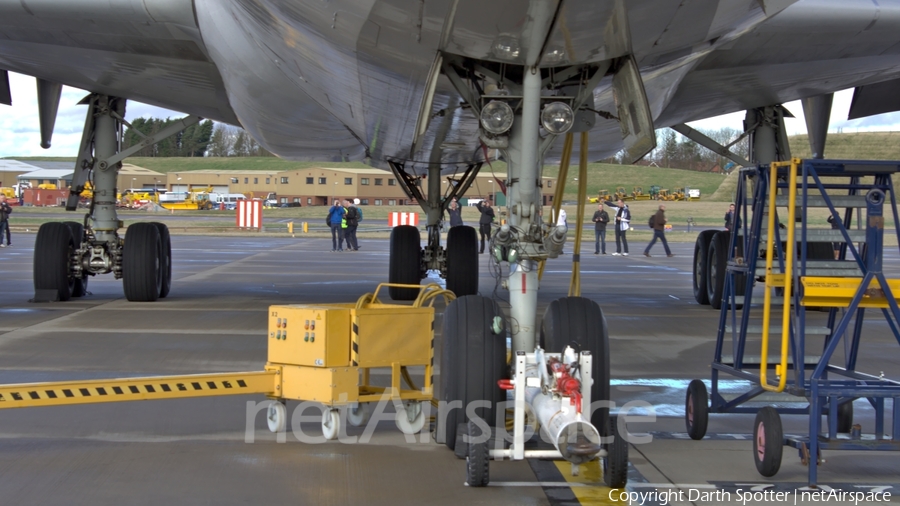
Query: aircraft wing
<point x="363" y="79"/>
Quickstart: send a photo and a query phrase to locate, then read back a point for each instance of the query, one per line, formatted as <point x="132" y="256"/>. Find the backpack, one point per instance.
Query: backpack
<point x="652" y="221"/>
<point x="358" y="214"/>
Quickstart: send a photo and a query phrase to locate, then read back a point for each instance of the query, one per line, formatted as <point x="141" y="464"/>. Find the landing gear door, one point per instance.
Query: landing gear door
<point x="633" y="111"/>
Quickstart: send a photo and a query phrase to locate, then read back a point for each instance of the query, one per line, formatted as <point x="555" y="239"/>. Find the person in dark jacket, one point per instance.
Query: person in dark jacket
<point x="484" y="224"/>
<point x="5" y="209"/>
<point x="600" y="219"/>
<point x="729" y="218"/>
<point x="335" y="221"/>
<point x="455" y="213"/>
<point x="659" y="232"/>
<point x="623" y="223"/>
<point x="352" y="219"/>
<point x="835" y="225"/>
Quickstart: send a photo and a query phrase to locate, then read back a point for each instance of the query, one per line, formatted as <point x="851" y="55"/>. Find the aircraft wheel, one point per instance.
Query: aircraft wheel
<point x="462" y="261"/>
<point x="615" y="464"/>
<point x="141" y="265"/>
<point x="166" y="259"/>
<point x="478" y="458"/>
<point x="79" y="286"/>
<point x="768" y="441"/>
<point x="411" y="419"/>
<point x="696" y="410"/>
<point x="580" y="320"/>
<point x="53" y="248"/>
<point x="405" y="262"/>
<point x="717" y="260"/>
<point x="701" y="248"/>
<point x="331" y="423"/>
<point x="358" y="414"/>
<point x="276" y="416"/>
<point x="473" y="360"/>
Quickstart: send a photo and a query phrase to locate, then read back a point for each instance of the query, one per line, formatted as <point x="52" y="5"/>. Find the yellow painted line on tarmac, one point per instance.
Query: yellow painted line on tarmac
<point x="590" y="488"/>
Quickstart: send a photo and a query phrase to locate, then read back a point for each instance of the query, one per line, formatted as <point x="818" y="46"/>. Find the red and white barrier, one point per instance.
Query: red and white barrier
<point x="249" y="214"/>
<point x="396" y="219"/>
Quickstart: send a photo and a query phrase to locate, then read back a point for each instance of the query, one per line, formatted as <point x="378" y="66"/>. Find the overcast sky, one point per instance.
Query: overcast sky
<point x="20" y="131"/>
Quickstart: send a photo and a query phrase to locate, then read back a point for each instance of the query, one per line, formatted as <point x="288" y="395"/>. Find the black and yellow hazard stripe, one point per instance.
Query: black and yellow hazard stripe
<point x="354" y="343"/>
<point x="133" y="389"/>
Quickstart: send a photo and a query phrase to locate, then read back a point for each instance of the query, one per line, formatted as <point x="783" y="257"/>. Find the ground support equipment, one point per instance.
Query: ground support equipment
<point x="323" y="353"/>
<point x="802" y="275"/>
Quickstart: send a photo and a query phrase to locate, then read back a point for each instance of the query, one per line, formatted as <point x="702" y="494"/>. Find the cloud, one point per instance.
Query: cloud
<point x="20" y="129"/>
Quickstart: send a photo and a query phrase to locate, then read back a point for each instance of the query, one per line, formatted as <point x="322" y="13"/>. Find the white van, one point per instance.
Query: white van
<point x="229" y="199"/>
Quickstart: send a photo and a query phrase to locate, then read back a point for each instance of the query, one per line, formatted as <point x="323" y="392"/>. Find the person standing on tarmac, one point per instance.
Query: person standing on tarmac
<point x="5" y="209"/>
<point x="455" y="213"/>
<point x="352" y="219"/>
<point x="659" y="232"/>
<point x="600" y="219"/>
<point x="623" y="222"/>
<point x="484" y="223"/>
<point x="335" y="220"/>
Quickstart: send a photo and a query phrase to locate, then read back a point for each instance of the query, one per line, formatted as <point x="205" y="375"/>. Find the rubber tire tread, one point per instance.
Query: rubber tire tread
<point x="166" y="259"/>
<point x="615" y="474"/>
<point x="845" y="417"/>
<point x="701" y="248"/>
<point x="79" y="287"/>
<point x="405" y="262"/>
<point x="473" y="360"/>
<point x="696" y="390"/>
<point x="51" y="259"/>
<point x="718" y="253"/>
<point x="141" y="268"/>
<point x="580" y="320"/>
<point x="462" y="261"/>
<point x="771" y="421"/>
<point x="478" y="459"/>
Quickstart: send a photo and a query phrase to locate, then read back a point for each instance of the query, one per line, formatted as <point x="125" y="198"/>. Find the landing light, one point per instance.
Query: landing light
<point x="497" y="117"/>
<point x="557" y="117"/>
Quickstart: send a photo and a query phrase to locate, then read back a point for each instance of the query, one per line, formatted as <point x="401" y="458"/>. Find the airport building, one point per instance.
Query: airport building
<point x="319" y="186"/>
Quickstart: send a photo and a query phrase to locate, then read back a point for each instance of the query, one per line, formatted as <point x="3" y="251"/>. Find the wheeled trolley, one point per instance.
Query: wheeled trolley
<point x="816" y="285"/>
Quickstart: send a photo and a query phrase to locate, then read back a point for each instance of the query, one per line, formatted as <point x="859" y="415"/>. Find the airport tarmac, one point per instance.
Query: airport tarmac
<point x="194" y="451"/>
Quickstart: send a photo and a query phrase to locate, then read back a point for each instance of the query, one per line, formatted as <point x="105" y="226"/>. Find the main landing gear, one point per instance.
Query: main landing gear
<point x="67" y="254"/>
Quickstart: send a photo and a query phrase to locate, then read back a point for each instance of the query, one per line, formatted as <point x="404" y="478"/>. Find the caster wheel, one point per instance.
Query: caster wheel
<point x="357" y="414"/>
<point x="768" y="441"/>
<point x="412" y="419"/>
<point x="696" y="410"/>
<point x="331" y="423"/>
<point x="276" y="416"/>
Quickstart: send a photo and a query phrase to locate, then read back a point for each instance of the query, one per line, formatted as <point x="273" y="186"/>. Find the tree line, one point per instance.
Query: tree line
<point x="677" y="151"/>
<point x="203" y="139"/>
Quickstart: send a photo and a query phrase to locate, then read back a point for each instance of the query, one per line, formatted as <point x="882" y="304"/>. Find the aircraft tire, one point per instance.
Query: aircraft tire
<point x="79" y="287"/>
<point x="473" y="360"/>
<point x="615" y="464"/>
<point x="701" y="248"/>
<point x="768" y="441"/>
<point x="141" y="263"/>
<point x="580" y="321"/>
<point x="53" y="249"/>
<point x="462" y="261"/>
<point x="166" y="259"/>
<point x="696" y="410"/>
<point x="405" y="262"/>
<point x="478" y="457"/>
<point x="717" y="260"/>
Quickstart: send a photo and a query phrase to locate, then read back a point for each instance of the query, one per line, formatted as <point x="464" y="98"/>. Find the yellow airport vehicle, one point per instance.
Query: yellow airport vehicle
<point x="678" y="194"/>
<point x="190" y="200"/>
<point x="316" y="352"/>
<point x="9" y="193"/>
<point x="47" y="186"/>
<point x="638" y="194"/>
<point x="621" y="195"/>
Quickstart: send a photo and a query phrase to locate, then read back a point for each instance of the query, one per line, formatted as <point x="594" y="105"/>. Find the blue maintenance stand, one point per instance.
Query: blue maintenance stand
<point x="802" y="271"/>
